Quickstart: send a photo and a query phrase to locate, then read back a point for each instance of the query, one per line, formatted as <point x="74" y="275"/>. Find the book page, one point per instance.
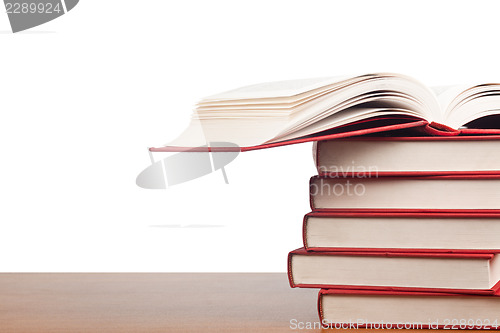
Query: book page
<point x="446" y="94"/>
<point x="465" y="103"/>
<point x="275" y="89"/>
<point x="270" y="112"/>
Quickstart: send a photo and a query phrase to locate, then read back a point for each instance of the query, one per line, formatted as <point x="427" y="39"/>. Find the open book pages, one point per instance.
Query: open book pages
<point x="283" y="111"/>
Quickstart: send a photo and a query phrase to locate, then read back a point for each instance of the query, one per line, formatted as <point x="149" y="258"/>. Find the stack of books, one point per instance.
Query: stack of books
<point x="404" y="228"/>
<point x="404" y="233"/>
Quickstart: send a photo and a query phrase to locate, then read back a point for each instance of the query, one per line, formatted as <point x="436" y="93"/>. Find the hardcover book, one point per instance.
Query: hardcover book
<point x="407" y="310"/>
<point x="383" y="156"/>
<point x="437" y="272"/>
<point x="472" y="192"/>
<point x="454" y="232"/>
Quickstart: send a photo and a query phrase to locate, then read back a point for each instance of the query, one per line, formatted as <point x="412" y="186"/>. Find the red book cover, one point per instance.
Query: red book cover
<point x="363" y="127"/>
<point x="381" y="125"/>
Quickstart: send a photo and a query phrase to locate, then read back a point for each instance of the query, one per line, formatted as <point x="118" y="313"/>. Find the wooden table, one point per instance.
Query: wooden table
<point x="153" y="302"/>
<point x="156" y="302"/>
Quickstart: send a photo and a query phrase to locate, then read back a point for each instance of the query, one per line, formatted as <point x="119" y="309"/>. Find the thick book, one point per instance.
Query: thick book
<point x="453" y="232"/>
<point x="381" y="156"/>
<point x="437" y="272"/>
<point x="279" y="113"/>
<point x="458" y="192"/>
<point x="342" y="308"/>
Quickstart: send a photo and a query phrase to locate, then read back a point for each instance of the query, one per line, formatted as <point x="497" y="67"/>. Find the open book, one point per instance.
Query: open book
<point x="279" y="113"/>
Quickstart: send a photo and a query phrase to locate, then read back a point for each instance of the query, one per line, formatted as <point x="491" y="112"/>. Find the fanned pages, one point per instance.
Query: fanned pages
<point x="283" y="112"/>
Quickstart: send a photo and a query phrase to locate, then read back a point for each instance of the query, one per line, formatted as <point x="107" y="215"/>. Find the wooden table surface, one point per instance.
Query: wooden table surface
<point x="153" y="302"/>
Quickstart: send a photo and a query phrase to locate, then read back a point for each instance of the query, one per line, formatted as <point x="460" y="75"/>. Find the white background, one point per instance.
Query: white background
<point x="83" y="96"/>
